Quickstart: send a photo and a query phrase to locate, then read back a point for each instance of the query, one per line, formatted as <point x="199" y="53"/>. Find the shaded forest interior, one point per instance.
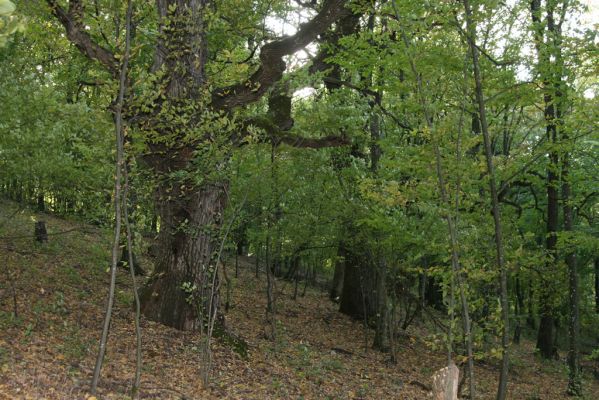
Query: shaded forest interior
<point x="299" y="199"/>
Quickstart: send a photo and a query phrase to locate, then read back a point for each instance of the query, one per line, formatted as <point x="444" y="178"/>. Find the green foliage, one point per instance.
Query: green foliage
<point x="299" y="204"/>
<point x="9" y="24"/>
<point x="50" y="148"/>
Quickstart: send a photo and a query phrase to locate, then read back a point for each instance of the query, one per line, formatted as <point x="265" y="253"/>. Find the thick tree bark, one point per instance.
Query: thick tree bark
<point x="41" y="204"/>
<point x="351" y="296"/>
<point x="545" y="337"/>
<point x="41" y="234"/>
<point x="187" y="241"/>
<point x="190" y="214"/>
<point x="545" y="334"/>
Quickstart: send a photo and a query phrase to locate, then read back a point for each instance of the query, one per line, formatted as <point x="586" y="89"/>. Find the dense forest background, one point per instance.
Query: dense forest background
<point x="431" y="167"/>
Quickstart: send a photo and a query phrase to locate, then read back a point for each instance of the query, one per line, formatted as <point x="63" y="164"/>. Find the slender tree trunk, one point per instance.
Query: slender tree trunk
<point x="421" y="293"/>
<point x="119" y="139"/>
<point x="270" y="300"/>
<point x="314" y="274"/>
<point x="574" y="381"/>
<point x="229" y="287"/>
<point x="519" y="311"/>
<point x="132" y="266"/>
<point x="503" y="378"/>
<point x="450" y="220"/>
<point x="381" y="334"/>
<point x="306" y="270"/>
<point x="505" y="340"/>
<point x="597" y="284"/>
<point x="296" y="275"/>
<point x="257" y="259"/>
<point x="550" y="74"/>
<point x="271" y="258"/>
<point x="530" y="315"/>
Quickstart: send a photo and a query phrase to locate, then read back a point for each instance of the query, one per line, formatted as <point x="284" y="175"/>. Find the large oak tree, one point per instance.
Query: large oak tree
<point x="188" y="131"/>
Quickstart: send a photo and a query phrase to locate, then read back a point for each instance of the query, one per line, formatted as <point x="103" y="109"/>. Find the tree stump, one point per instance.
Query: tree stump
<point x="41" y="234"/>
<point x="445" y="383"/>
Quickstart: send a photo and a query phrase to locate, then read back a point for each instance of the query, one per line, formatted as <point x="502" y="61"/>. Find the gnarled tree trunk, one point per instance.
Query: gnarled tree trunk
<point x="177" y="117"/>
<point x="187" y="242"/>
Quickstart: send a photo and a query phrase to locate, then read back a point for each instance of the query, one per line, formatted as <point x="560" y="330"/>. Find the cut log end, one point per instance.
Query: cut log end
<point x="445" y="383"/>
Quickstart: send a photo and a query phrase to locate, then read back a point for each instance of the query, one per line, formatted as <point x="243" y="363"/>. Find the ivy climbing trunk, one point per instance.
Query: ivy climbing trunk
<point x="188" y="136"/>
<point x="189" y="213"/>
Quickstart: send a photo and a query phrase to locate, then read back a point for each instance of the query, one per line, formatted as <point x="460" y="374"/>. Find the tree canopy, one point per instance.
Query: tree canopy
<point x="420" y="161"/>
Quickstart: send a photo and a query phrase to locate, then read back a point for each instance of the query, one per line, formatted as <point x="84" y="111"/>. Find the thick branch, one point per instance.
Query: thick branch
<point x="311" y="143"/>
<point x="586" y="198"/>
<point x="272" y="65"/>
<point x="76" y="33"/>
<point x="278" y="136"/>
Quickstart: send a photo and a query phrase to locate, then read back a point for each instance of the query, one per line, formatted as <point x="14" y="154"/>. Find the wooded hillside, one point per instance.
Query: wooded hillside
<point x="299" y="199"/>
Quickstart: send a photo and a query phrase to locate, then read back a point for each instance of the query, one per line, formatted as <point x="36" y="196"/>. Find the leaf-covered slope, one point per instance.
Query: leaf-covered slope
<point x="48" y="351"/>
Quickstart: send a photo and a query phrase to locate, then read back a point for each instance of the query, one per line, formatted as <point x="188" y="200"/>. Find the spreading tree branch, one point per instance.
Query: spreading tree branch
<point x="311" y="143"/>
<point x="278" y="136"/>
<point x="272" y="65"/>
<point x="75" y="30"/>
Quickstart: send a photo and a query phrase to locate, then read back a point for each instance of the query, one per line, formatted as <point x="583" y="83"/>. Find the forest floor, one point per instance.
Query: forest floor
<point x="48" y="351"/>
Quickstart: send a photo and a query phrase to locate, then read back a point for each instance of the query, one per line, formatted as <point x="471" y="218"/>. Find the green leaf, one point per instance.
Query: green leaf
<point x="7" y="7"/>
